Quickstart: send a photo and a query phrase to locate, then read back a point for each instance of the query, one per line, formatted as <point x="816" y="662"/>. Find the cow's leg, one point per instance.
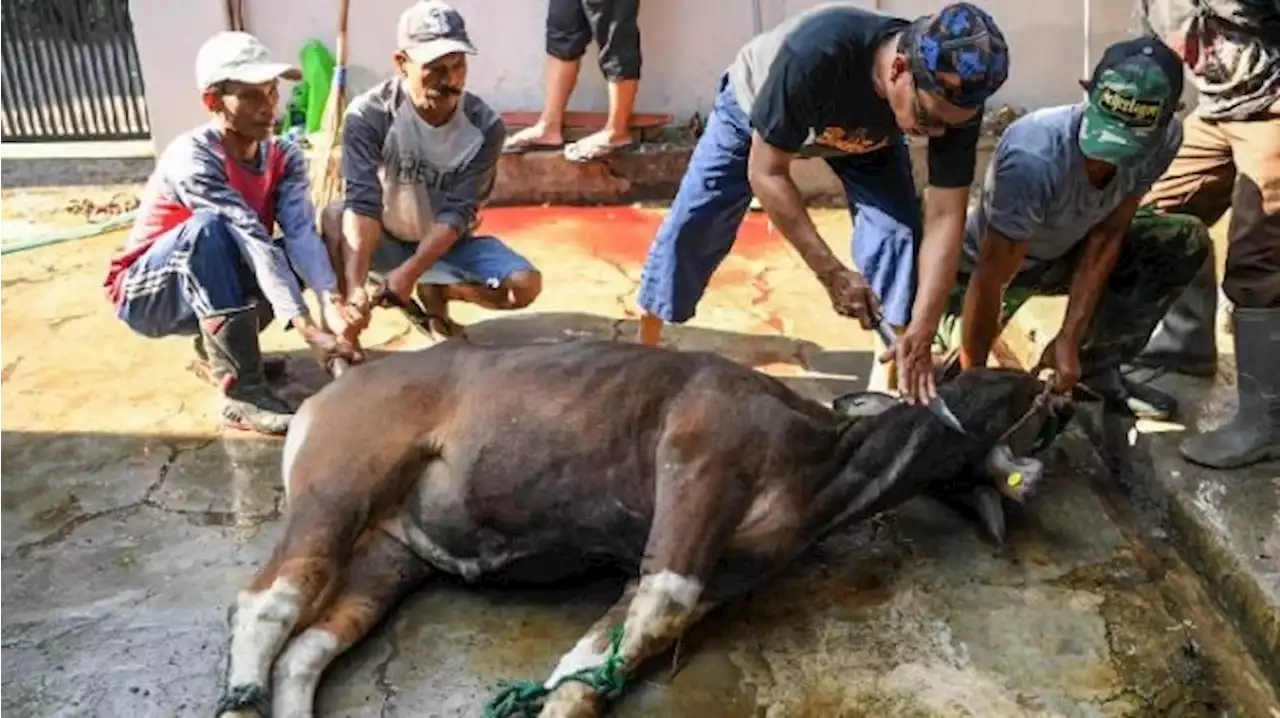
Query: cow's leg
<point x="653" y="612"/>
<point x="298" y="581"/>
<point x="693" y="516"/>
<point x="381" y="573"/>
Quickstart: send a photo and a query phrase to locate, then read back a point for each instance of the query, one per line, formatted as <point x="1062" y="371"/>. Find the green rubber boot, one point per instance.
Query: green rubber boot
<point x="1253" y="434"/>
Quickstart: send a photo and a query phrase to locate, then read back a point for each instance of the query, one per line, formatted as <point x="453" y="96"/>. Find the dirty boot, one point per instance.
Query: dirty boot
<point x="1184" y="341"/>
<point x="235" y="360"/>
<point x="1128" y="397"/>
<point x="273" y="367"/>
<point x="1253" y="434"/>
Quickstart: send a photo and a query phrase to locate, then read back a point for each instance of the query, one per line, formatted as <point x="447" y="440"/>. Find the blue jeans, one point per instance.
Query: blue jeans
<point x="714" y="195"/>
<point x="471" y="260"/>
<point x="191" y="272"/>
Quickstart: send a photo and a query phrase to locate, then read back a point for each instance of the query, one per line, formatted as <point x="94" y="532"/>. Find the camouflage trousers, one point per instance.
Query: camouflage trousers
<point x="1160" y="255"/>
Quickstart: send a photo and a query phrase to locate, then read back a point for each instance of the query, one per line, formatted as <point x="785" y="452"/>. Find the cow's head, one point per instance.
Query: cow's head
<point x="1009" y="416"/>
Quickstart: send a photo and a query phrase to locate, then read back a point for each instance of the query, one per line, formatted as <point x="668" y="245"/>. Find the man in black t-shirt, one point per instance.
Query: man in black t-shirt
<point x="844" y="83"/>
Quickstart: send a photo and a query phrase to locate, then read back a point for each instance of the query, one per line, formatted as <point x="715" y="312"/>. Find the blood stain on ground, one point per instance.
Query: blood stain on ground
<point x="617" y="234"/>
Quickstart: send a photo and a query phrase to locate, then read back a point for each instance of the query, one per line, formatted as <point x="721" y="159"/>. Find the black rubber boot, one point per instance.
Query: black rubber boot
<point x="1253" y="434"/>
<point x="235" y="361"/>
<point x="274" y="368"/>
<point x="1184" y="341"/>
<point x="1127" y="397"/>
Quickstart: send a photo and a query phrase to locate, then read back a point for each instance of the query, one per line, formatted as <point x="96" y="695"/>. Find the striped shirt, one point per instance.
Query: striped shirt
<point x="195" y="173"/>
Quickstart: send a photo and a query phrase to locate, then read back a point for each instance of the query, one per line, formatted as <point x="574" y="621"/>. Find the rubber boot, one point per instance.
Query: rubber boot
<point x="1253" y="434"/>
<point x="235" y="360"/>
<point x="275" y="368"/>
<point x="1184" y="341"/>
<point x="1123" y="396"/>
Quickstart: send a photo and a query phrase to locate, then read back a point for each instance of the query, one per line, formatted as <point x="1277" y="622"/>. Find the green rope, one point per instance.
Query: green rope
<point x="524" y="698"/>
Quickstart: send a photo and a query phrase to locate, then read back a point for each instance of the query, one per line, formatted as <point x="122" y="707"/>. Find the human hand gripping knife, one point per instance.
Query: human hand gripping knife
<point x="937" y="406"/>
<point x="1014" y="476"/>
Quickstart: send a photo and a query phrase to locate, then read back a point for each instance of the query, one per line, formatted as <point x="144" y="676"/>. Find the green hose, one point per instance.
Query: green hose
<point x="66" y="235"/>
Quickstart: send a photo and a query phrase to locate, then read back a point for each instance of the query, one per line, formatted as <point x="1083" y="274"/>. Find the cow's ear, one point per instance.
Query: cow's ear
<point x="863" y="404"/>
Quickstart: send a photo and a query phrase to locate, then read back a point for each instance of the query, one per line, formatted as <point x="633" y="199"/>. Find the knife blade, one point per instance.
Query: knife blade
<point x="938" y="407"/>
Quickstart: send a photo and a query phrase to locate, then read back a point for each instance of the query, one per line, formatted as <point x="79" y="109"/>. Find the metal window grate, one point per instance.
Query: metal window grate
<point x="70" y="72"/>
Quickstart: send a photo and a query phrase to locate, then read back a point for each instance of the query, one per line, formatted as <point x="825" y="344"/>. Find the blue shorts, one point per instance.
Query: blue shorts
<point x="191" y="272"/>
<point x="471" y="260"/>
<point x="714" y="195"/>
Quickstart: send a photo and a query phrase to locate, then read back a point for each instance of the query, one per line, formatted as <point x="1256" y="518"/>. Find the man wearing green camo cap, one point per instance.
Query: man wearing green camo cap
<point x="1059" y="214"/>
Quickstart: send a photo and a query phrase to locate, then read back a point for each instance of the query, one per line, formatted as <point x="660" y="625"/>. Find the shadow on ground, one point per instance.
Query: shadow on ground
<point x="805" y="366"/>
<point x="122" y="553"/>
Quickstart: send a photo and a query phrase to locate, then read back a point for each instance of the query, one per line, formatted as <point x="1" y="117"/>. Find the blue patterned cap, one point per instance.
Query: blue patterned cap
<point x="958" y="54"/>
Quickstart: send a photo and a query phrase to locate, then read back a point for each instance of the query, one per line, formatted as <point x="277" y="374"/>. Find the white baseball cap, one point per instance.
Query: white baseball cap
<point x="238" y="56"/>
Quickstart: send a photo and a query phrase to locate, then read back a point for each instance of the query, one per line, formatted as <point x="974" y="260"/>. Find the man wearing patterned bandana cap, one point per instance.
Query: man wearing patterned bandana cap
<point x="847" y="84"/>
<point x="1059" y="214"/>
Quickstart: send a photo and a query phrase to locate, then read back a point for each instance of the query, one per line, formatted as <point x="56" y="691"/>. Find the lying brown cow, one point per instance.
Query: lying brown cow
<point x="532" y="462"/>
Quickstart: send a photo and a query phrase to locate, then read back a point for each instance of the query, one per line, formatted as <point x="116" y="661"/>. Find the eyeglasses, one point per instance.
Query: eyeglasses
<point x="927" y="121"/>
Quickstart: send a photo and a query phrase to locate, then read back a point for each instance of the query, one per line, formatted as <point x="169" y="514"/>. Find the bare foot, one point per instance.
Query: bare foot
<point x="534" y="137"/>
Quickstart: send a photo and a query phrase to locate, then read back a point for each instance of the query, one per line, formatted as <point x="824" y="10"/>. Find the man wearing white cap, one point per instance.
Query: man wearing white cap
<point x="202" y="258"/>
<point x="419" y="158"/>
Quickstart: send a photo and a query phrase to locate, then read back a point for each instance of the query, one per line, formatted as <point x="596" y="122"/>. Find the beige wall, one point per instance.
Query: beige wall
<point x="682" y="59"/>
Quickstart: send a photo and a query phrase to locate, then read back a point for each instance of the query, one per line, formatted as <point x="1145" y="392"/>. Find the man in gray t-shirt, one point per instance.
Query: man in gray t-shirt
<point x="1059" y="215"/>
<point x="419" y="159"/>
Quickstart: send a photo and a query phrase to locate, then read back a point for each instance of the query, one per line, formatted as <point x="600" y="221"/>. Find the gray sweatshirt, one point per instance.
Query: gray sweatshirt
<point x="409" y="174"/>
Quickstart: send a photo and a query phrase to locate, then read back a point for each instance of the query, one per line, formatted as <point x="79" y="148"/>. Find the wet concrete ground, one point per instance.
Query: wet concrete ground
<point x="130" y="521"/>
<point x="1227" y="521"/>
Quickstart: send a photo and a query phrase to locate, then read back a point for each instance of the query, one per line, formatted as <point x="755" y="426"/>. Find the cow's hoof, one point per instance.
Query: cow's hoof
<point x="571" y="700"/>
<point x="248" y="701"/>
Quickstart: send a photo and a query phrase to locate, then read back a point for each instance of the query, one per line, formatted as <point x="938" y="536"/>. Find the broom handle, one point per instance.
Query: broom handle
<point x="342" y="33"/>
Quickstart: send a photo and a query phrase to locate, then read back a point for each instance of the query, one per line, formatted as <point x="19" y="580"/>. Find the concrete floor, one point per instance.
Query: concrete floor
<point x="130" y="521"/>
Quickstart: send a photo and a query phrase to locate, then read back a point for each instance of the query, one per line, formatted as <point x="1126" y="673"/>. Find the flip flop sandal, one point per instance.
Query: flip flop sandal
<point x="444" y="327"/>
<point x="433" y="324"/>
<point x="582" y="152"/>
<point x="520" y="148"/>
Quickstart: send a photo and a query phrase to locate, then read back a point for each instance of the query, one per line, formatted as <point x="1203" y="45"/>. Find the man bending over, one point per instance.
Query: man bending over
<point x="1059" y="215"/>
<point x="845" y="83"/>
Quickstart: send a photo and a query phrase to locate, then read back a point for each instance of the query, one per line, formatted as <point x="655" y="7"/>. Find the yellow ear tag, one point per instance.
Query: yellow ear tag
<point x="1014" y="479"/>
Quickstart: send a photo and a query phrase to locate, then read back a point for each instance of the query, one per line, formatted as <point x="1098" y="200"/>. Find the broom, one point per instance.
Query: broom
<point x="325" y="172"/>
<point x="235" y="15"/>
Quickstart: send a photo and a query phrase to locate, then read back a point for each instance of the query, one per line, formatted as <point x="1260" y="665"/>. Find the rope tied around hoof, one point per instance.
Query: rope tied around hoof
<point x="524" y="698"/>
<point x="245" y="697"/>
